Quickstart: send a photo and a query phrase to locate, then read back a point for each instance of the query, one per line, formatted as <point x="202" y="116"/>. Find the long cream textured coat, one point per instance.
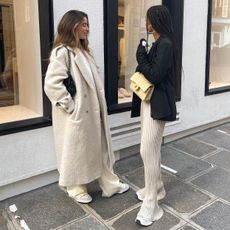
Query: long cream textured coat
<point x="81" y="129"/>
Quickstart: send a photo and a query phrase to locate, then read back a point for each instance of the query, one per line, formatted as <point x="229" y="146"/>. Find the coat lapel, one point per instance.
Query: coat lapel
<point x="94" y="70"/>
<point x="85" y="72"/>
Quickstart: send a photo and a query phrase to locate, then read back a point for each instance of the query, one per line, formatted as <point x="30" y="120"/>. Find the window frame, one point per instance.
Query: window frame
<point x="45" y="13"/>
<point x="218" y="90"/>
<point x="176" y="8"/>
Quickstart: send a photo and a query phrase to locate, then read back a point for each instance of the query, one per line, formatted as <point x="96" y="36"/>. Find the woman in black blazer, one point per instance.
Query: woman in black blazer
<point x="160" y="67"/>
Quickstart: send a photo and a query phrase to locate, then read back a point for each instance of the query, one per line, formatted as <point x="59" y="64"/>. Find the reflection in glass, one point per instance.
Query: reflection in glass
<point x="20" y="62"/>
<point x="220" y="45"/>
<point x="131" y="27"/>
<point x="8" y="65"/>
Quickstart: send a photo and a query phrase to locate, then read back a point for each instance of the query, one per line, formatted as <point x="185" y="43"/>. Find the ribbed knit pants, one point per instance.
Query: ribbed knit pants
<point x="151" y="139"/>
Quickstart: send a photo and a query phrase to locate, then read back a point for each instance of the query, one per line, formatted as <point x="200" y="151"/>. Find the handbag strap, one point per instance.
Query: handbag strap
<point x="69" y="61"/>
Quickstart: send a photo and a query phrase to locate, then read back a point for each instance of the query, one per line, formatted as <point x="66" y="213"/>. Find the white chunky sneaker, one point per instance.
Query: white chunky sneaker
<point x="84" y="199"/>
<point x="139" y="196"/>
<point x="141" y="220"/>
<point x="124" y="188"/>
<point x="161" y="194"/>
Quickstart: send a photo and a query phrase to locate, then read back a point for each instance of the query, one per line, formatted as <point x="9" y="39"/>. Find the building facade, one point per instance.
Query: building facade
<point x="27" y="28"/>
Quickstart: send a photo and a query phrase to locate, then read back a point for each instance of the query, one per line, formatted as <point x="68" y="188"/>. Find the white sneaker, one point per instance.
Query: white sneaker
<point x="124" y="188"/>
<point x="161" y="194"/>
<point x="145" y="222"/>
<point x="139" y="196"/>
<point x="85" y="199"/>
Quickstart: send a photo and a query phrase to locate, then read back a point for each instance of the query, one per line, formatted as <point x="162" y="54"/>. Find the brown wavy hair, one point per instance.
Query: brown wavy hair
<point x="66" y="33"/>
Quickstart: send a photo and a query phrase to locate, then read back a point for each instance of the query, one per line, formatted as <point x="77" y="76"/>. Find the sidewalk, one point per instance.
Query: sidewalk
<point x="196" y="173"/>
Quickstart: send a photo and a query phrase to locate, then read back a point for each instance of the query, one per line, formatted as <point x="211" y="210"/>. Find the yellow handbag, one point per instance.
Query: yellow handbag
<point x="141" y="86"/>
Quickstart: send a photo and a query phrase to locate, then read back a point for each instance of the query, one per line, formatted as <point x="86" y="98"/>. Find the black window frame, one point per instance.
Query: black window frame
<point x="46" y="38"/>
<point x="218" y="90"/>
<point x="176" y="8"/>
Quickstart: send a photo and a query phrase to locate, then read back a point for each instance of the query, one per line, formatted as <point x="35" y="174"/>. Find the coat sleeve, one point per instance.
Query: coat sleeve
<point x="54" y="87"/>
<point x="158" y="68"/>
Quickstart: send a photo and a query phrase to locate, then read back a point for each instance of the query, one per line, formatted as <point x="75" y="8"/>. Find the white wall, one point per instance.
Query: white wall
<point x="94" y="9"/>
<point x="26" y="154"/>
<point x="27" y="161"/>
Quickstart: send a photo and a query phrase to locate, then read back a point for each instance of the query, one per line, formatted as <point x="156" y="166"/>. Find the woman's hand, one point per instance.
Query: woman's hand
<point x="141" y="53"/>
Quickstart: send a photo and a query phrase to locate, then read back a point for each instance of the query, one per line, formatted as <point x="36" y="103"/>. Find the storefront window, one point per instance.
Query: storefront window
<point x="219" y="66"/>
<point x="124" y="27"/>
<point x="131" y="27"/>
<point x="20" y="61"/>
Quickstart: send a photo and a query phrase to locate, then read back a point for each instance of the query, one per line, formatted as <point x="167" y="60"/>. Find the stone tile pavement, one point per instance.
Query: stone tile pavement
<point x="196" y="174"/>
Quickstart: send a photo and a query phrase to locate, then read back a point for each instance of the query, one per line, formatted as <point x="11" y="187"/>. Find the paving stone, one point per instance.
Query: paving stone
<point x="179" y="196"/>
<point x="221" y="159"/>
<point x="182" y="197"/>
<point x="216" y="181"/>
<point x="185" y="165"/>
<point x="3" y="221"/>
<point x="46" y="208"/>
<point x="137" y="177"/>
<point x="127" y="222"/>
<point x="214" y="217"/>
<point x="87" y="223"/>
<point x="188" y="227"/>
<point x="109" y="207"/>
<point x="193" y="147"/>
<point x="214" y="137"/>
<point x="128" y="164"/>
<point x="225" y="127"/>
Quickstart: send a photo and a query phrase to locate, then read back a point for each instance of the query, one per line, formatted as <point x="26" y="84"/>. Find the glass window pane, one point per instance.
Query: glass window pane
<point x="220" y="45"/>
<point x="131" y="27"/>
<point x="8" y="82"/>
<point x="20" y="64"/>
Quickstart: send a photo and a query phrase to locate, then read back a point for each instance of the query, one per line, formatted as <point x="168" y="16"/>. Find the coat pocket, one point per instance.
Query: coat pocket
<point x="74" y="115"/>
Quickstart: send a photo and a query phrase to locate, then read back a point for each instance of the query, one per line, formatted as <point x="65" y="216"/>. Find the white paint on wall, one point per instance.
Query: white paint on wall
<point x="26" y="154"/>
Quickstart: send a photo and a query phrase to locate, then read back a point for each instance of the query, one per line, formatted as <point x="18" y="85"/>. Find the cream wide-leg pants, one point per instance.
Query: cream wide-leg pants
<point x="108" y="182"/>
<point x="151" y="139"/>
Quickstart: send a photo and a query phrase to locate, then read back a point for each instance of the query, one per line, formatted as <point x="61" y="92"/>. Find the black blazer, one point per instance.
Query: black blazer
<point x="158" y="67"/>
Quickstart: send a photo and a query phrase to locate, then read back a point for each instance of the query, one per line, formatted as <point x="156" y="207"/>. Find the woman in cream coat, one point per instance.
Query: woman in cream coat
<point x="80" y="124"/>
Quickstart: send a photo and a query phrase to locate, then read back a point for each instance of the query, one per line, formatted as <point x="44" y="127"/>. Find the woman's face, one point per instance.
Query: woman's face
<point x="149" y="27"/>
<point x="83" y="29"/>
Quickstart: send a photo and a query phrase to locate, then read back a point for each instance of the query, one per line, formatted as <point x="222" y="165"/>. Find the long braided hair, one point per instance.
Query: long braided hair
<point x="160" y="19"/>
